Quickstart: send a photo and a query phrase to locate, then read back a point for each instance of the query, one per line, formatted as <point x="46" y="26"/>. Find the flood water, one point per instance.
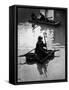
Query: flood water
<point x="27" y="38"/>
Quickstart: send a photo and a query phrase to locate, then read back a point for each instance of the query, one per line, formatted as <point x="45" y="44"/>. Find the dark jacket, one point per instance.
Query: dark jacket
<point x="40" y="51"/>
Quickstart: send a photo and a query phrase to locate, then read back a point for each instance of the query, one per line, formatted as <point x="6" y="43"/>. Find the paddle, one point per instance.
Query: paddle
<point x="26" y="53"/>
<point x="45" y="35"/>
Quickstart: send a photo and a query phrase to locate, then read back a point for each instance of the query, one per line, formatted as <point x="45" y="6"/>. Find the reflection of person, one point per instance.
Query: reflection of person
<point x="33" y="16"/>
<point x="40" y="51"/>
<point x="42" y="68"/>
<point x="42" y="16"/>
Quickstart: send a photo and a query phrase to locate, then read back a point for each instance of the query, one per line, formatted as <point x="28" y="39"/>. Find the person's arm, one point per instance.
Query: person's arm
<point x="41" y="47"/>
<point x="45" y="45"/>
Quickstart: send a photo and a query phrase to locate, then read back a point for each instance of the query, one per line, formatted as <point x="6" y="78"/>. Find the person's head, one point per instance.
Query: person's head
<point x="40" y="13"/>
<point x="40" y="38"/>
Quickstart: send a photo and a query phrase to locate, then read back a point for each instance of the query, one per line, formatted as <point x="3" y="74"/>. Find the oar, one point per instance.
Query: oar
<point x="26" y="53"/>
<point x="45" y="42"/>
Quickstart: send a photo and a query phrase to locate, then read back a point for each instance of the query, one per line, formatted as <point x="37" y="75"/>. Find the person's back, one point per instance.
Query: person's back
<point x="40" y="51"/>
<point x="39" y="46"/>
<point x="42" y="17"/>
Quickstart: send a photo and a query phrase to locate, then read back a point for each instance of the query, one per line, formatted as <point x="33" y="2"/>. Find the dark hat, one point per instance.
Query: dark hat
<point x="40" y="38"/>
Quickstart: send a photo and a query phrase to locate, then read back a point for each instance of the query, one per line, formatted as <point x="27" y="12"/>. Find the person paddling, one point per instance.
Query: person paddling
<point x="40" y="48"/>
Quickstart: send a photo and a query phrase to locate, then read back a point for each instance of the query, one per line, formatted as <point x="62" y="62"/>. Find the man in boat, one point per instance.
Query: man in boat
<point x="41" y="49"/>
<point x="42" y="18"/>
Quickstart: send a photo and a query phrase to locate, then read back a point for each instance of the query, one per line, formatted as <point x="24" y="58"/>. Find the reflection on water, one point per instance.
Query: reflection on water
<point x="42" y="68"/>
<point x="55" y="69"/>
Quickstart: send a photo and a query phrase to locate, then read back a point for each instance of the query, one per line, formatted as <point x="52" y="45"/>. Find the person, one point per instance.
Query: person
<point x="33" y="16"/>
<point x="39" y="50"/>
<point x="42" y="18"/>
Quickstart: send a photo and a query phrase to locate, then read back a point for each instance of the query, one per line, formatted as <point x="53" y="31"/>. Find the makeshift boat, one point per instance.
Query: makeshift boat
<point x="32" y="58"/>
<point x="39" y="22"/>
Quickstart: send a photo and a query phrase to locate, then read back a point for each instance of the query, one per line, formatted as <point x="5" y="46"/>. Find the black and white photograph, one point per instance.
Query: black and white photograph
<point x="41" y="44"/>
